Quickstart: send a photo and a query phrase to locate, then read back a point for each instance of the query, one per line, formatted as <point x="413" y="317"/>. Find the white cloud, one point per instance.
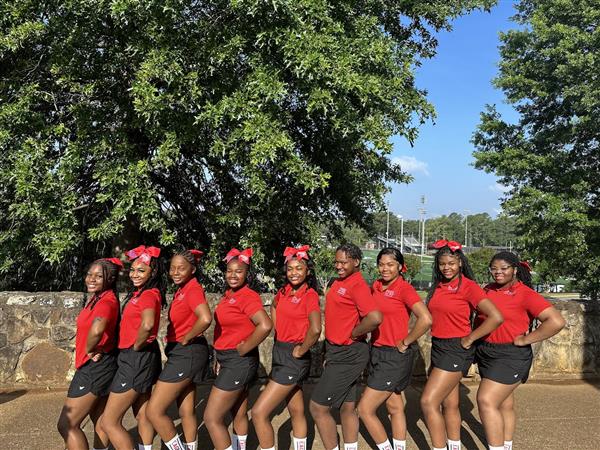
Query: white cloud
<point x="411" y="164"/>
<point x="497" y="187"/>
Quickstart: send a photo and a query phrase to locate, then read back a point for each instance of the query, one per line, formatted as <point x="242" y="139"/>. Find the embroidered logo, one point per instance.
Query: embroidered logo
<point x="295" y="300"/>
<point x="341" y="291"/>
<point x="389" y="293"/>
<point x="231" y="301"/>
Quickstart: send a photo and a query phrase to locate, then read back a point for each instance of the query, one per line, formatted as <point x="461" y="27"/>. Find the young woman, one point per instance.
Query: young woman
<point x="350" y="313"/>
<point x="241" y="324"/>
<point x="187" y="353"/>
<point x="453" y="297"/>
<point x="504" y="357"/>
<point x="297" y="317"/>
<point x="95" y="355"/>
<point x="139" y="358"/>
<point x="393" y="352"/>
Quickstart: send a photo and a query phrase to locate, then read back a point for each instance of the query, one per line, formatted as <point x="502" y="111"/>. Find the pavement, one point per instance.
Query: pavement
<point x="563" y="415"/>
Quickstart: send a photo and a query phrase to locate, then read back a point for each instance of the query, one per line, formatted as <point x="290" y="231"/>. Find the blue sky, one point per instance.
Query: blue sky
<point x="459" y="84"/>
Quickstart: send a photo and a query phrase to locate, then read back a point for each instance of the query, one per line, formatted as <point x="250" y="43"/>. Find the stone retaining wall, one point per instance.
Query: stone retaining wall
<point x="37" y="341"/>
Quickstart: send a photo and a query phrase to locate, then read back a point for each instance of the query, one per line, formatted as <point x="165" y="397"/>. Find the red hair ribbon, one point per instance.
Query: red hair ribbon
<point x="525" y="265"/>
<point x="244" y="256"/>
<point x="196" y="254"/>
<point x="403" y="269"/>
<point x="452" y="245"/>
<point x="116" y="261"/>
<point x="145" y="254"/>
<point x="298" y="252"/>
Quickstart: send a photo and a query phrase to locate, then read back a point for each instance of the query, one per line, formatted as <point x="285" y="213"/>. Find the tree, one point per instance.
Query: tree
<point x="479" y="261"/>
<point x="201" y="123"/>
<point x="550" y="158"/>
<point x="413" y="266"/>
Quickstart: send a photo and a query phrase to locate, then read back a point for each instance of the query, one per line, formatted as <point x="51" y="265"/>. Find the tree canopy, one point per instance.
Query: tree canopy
<point x="201" y="123"/>
<point x="550" y="158"/>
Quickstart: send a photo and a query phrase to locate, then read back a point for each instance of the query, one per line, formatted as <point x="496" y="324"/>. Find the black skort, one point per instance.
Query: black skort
<point x="137" y="370"/>
<point x="185" y="361"/>
<point x="235" y="371"/>
<point x="504" y="363"/>
<point x="288" y="370"/>
<point x="94" y="377"/>
<point x="343" y="367"/>
<point x="390" y="370"/>
<point x="447" y="354"/>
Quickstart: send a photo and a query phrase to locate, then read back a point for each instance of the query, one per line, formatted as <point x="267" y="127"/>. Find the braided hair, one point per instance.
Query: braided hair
<point x="350" y="250"/>
<point x="522" y="273"/>
<point x="438" y="277"/>
<point x="110" y="276"/>
<point x="190" y="258"/>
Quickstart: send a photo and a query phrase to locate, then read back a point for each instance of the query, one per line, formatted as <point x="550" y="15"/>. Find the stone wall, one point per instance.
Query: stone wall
<point x="37" y="342"/>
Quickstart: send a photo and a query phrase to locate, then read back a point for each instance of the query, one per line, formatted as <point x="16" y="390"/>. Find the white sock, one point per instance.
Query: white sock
<point x="385" y="445"/>
<point x="495" y="448"/>
<point x="440" y="448"/>
<point x="335" y="448"/>
<point x="105" y="448"/>
<point x="175" y="443"/>
<point x="238" y="441"/>
<point x="299" y="443"/>
<point x="144" y="447"/>
<point x="229" y="448"/>
<point x="351" y="446"/>
<point x="270" y="448"/>
<point x="191" y="445"/>
<point x="399" y="444"/>
<point x="507" y="445"/>
<point x="453" y="445"/>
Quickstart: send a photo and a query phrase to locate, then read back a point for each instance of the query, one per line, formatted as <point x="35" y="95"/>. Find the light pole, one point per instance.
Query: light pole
<point x="401" y="233"/>
<point x="387" y="226"/>
<point x="466" y="227"/>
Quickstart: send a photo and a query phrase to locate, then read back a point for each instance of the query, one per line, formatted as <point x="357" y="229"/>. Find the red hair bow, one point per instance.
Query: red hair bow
<point x="243" y="256"/>
<point x="525" y="265"/>
<point x="298" y="252"/>
<point x="403" y="269"/>
<point x="452" y="245"/>
<point x="116" y="261"/>
<point x="145" y="254"/>
<point x="196" y="254"/>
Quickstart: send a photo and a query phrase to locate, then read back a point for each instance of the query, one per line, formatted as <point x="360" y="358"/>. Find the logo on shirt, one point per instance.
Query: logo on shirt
<point x="389" y="293"/>
<point x="231" y="301"/>
<point x="509" y="292"/>
<point x="341" y="291"/>
<point x="452" y="288"/>
<point x="295" y="299"/>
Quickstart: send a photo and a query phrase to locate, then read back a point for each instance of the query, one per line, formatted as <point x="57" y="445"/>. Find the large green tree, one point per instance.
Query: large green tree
<point x="204" y="123"/>
<point x="550" y="158"/>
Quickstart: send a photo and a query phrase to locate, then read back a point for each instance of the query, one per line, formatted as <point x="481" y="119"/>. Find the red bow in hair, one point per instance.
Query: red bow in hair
<point x="244" y="256"/>
<point x="452" y="245"/>
<point x="525" y="265"/>
<point x="196" y="254"/>
<point x="403" y="269"/>
<point x="298" y="252"/>
<point x="145" y="254"/>
<point x="116" y="261"/>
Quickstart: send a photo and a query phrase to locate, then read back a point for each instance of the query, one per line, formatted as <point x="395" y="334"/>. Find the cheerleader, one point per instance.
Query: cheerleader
<point x="139" y="359"/>
<point x="453" y="297"/>
<point x="297" y="317"/>
<point x="504" y="357"/>
<point x="95" y="355"/>
<point x="187" y="353"/>
<point x="241" y="324"/>
<point x="350" y="313"/>
<point x="393" y="349"/>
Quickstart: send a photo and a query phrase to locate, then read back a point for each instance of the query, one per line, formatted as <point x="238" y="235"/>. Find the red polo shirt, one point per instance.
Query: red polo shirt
<point x="233" y="314"/>
<point x="395" y="303"/>
<point x="132" y="316"/>
<point x="347" y="302"/>
<point x="181" y="312"/>
<point x="519" y="305"/>
<point x="292" y="310"/>
<point x="107" y="307"/>
<point x="451" y="307"/>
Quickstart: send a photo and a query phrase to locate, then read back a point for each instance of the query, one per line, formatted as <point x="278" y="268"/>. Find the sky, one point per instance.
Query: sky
<point x="459" y="84"/>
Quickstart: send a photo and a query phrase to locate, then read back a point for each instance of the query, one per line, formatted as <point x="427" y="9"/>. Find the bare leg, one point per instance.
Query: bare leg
<point x="187" y="412"/>
<point x="145" y="428"/>
<point x="163" y="395"/>
<point x="112" y="419"/>
<point x="295" y="406"/>
<point x="439" y="385"/>
<point x="350" y="424"/>
<point x="510" y="417"/>
<point x="395" y="406"/>
<point x="273" y="394"/>
<point x="239" y="411"/>
<point x="219" y="403"/>
<point x="71" y="416"/>
<point x="100" y="436"/>
<point x="490" y="396"/>
<point x="370" y="401"/>
<point x="451" y="413"/>
<point x="325" y="424"/>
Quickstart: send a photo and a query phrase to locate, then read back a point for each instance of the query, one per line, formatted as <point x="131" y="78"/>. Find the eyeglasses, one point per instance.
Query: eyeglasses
<point x="499" y="269"/>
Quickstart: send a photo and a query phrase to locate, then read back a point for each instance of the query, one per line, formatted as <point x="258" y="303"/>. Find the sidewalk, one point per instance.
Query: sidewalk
<point x="550" y="416"/>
